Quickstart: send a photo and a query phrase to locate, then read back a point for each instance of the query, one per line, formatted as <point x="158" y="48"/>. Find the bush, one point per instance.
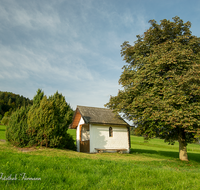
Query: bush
<point x="16" y="132"/>
<point x="5" y="120"/>
<point x="6" y="117"/>
<point x="45" y="123"/>
<point x="48" y="121"/>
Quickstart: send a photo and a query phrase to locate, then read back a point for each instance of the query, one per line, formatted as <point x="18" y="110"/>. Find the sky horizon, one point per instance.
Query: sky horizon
<point x="73" y="47"/>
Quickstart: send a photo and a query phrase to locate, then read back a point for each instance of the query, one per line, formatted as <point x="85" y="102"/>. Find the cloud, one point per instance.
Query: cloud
<point x="28" y="16"/>
<point x="69" y="46"/>
<point x="22" y="62"/>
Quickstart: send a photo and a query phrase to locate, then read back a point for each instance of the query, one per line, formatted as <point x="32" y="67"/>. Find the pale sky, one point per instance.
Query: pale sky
<point x="73" y="46"/>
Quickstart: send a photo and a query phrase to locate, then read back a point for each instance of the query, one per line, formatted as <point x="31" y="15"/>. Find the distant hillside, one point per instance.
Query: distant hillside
<point x="10" y="102"/>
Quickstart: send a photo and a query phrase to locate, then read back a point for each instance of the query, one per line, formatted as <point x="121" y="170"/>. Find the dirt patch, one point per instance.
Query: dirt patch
<point x="2" y="140"/>
<point x="26" y="149"/>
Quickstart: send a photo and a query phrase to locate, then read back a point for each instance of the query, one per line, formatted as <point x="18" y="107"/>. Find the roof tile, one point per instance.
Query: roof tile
<point x="100" y="115"/>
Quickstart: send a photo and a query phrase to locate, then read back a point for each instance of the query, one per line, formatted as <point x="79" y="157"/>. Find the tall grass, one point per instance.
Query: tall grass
<point x="152" y="165"/>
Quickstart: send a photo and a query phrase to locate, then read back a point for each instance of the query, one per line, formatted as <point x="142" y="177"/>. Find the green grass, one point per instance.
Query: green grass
<point x="152" y="165"/>
<point x="2" y="132"/>
<point x="73" y="133"/>
<point x="156" y="142"/>
<point x="158" y="148"/>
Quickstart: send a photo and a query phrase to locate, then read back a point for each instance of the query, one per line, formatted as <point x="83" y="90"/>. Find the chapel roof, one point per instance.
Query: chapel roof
<point x="94" y="115"/>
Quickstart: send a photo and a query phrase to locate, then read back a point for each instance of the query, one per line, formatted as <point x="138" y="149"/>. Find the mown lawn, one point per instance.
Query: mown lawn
<point x="152" y="165"/>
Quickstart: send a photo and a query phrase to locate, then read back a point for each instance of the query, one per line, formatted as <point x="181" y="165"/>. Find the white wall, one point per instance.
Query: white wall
<point x="81" y="122"/>
<point x="99" y="137"/>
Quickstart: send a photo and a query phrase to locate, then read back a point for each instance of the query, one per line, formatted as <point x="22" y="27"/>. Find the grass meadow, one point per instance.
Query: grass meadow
<point x="150" y="165"/>
<point x="2" y="132"/>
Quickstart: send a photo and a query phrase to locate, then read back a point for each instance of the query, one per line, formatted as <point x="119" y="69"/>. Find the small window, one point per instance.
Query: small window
<point x="110" y="132"/>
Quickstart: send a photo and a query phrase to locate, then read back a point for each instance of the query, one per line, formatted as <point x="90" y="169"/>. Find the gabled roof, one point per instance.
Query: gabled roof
<point x="95" y="115"/>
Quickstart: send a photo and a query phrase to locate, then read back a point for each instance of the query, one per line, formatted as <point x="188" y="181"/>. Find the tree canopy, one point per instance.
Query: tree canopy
<point x="9" y="102"/>
<point x="161" y="83"/>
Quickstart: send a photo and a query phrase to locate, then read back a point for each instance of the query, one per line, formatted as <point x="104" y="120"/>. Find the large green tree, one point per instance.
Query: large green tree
<point x="161" y="83"/>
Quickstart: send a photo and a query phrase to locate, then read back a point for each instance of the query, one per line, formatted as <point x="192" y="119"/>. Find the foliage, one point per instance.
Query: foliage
<point x="132" y="130"/>
<point x="6" y="117"/>
<point x="10" y="101"/>
<point x="49" y="120"/>
<point x="162" y="82"/>
<point x="5" y="120"/>
<point x="38" y="97"/>
<point x="46" y="123"/>
<point x="16" y="131"/>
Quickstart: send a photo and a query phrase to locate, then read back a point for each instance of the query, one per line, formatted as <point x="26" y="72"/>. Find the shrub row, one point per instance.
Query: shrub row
<point x="45" y="123"/>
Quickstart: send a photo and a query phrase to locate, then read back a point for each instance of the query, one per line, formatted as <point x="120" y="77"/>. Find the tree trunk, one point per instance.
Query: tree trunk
<point x="182" y="150"/>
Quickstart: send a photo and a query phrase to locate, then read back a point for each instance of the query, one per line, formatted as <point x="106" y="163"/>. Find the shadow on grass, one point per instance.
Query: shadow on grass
<point x="191" y="156"/>
<point x="2" y="130"/>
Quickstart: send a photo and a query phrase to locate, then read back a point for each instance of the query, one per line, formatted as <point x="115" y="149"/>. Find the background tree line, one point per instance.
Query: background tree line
<point x="9" y="102"/>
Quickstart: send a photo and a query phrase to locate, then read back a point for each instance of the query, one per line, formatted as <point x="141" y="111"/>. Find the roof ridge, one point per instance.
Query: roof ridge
<point x="93" y="107"/>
